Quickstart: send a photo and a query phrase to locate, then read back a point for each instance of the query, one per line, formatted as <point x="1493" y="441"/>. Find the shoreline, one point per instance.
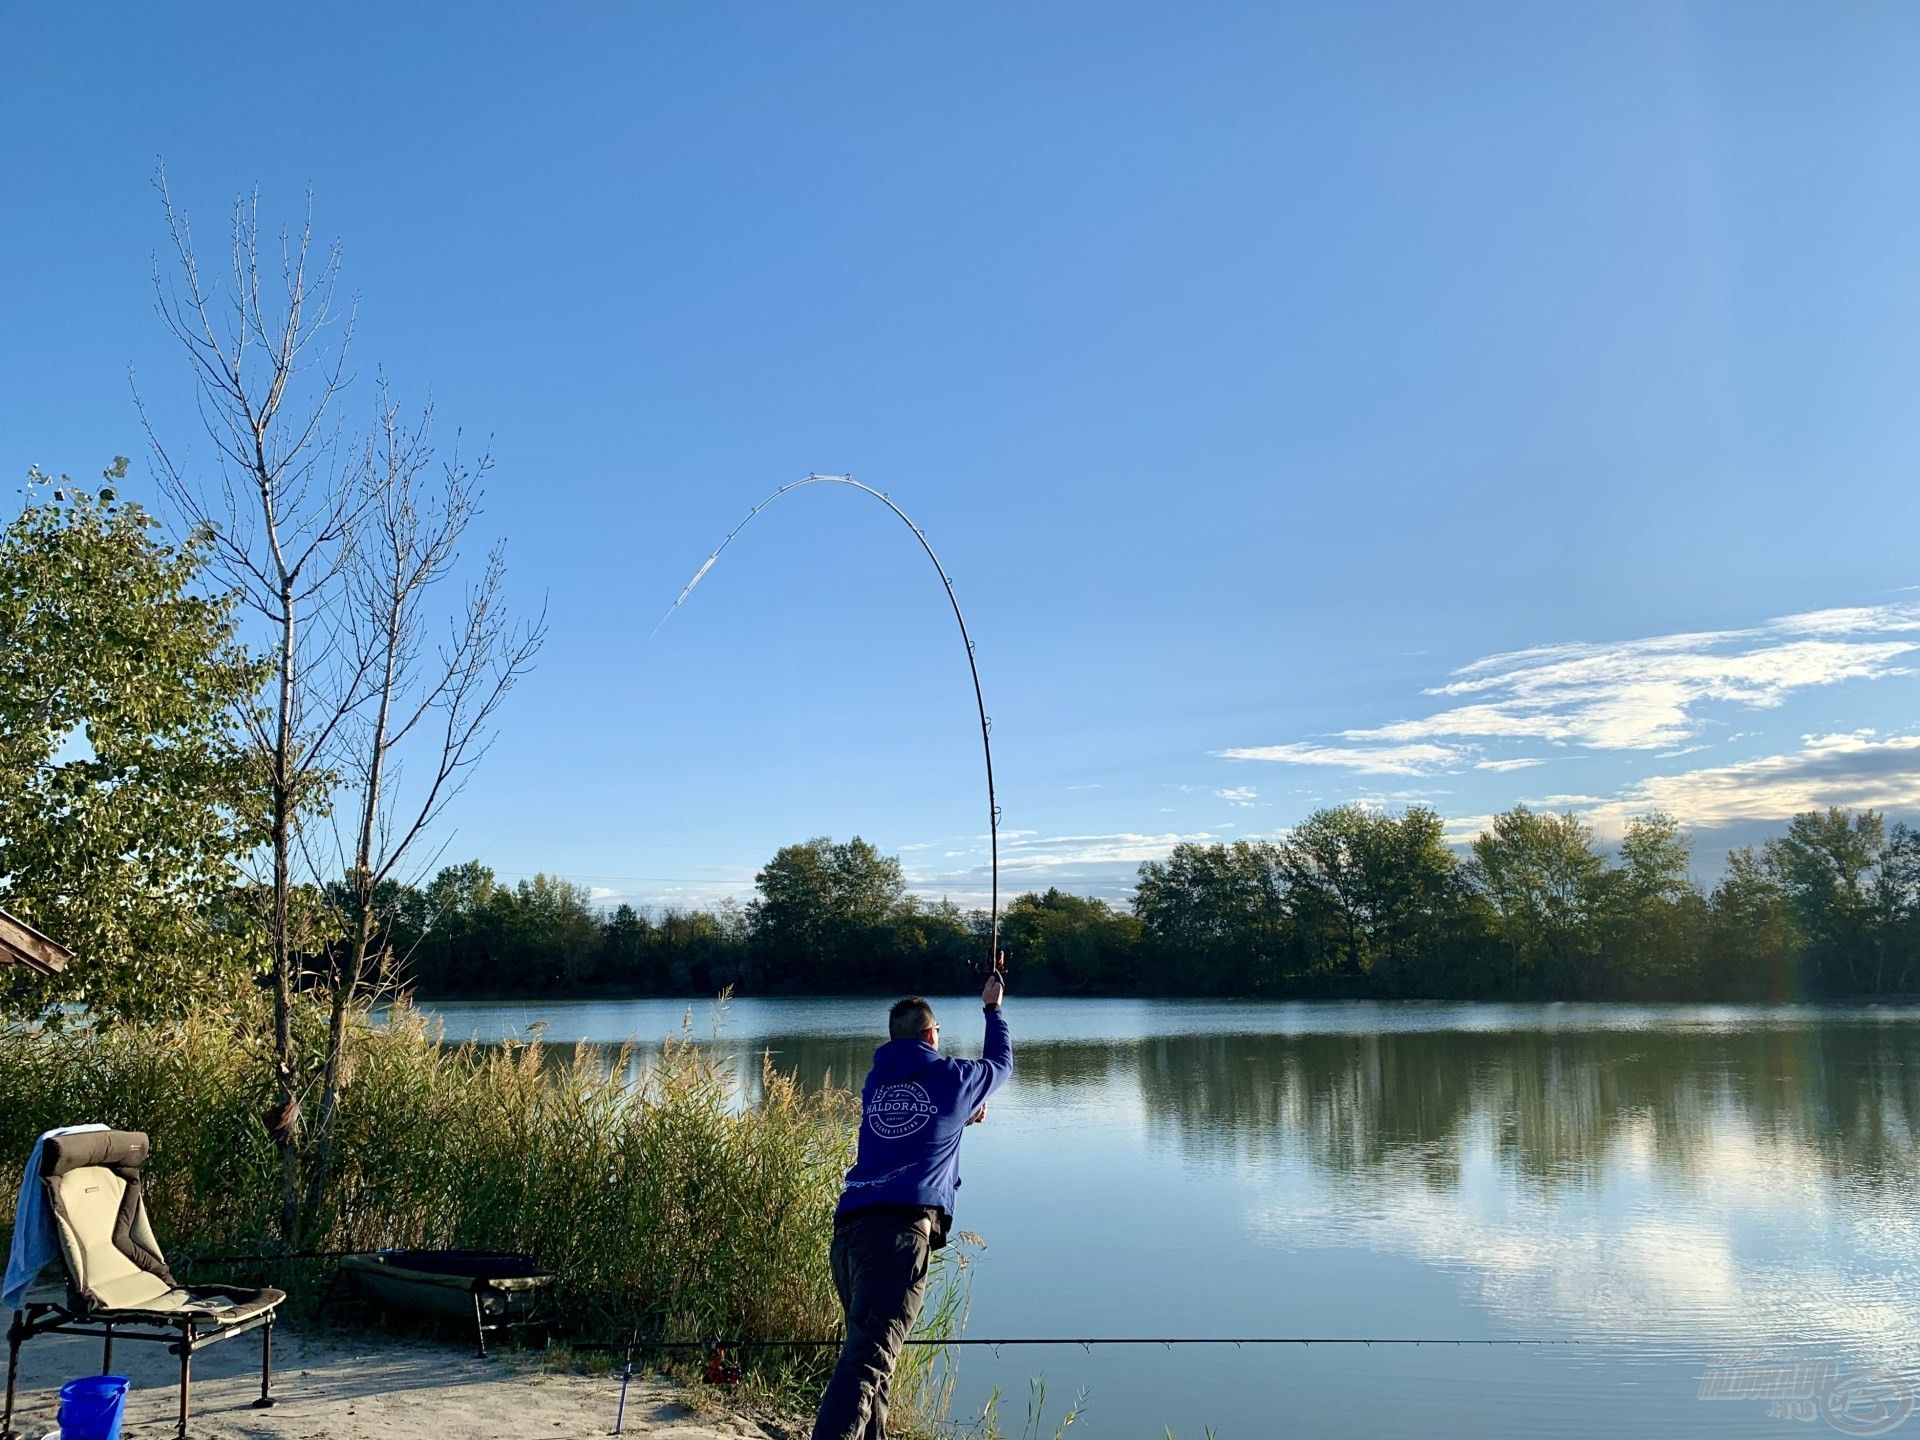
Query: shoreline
<point x="366" y="1384"/>
<point x="1823" y="1002"/>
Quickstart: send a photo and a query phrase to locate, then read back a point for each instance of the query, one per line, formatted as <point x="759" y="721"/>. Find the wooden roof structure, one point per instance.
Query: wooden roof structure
<point x="21" y="944"/>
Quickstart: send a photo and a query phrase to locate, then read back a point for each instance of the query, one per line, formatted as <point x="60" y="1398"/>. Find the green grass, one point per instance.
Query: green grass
<point x="989" y="1424"/>
<point x="665" y="1203"/>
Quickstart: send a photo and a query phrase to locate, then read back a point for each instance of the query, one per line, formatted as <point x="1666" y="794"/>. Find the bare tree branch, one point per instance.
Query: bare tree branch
<point x="267" y="386"/>
<point x="437" y="705"/>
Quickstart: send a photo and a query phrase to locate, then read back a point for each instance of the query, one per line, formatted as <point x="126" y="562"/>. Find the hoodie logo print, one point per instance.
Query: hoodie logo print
<point x="897" y="1111"/>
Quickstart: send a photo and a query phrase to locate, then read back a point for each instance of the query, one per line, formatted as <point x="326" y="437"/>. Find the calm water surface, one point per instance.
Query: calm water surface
<point x="1678" y="1189"/>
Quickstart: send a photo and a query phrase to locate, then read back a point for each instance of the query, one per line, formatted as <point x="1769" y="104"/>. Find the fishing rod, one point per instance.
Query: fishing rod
<point x="973" y="667"/>
<point x="270" y="1257"/>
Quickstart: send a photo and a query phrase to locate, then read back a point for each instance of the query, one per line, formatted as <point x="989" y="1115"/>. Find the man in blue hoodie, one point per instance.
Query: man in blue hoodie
<point x="898" y="1204"/>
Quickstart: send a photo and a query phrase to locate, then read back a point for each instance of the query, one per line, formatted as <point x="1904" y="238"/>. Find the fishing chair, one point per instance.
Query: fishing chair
<point x="118" y="1286"/>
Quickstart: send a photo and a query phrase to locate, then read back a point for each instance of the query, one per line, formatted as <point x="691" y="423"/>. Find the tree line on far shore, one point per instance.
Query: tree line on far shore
<point x="1353" y="902"/>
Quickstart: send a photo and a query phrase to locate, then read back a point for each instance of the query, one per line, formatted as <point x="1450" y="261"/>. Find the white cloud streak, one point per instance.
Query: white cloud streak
<point x="1102" y="865"/>
<point x="1857" y="770"/>
<point x="1645" y="694"/>
<point x="1370" y="760"/>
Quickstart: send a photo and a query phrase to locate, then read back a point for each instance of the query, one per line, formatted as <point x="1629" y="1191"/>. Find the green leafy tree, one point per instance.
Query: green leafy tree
<point x="121" y="789"/>
<point x="441" y="934"/>
<point x="625" y="950"/>
<point x="1215" y="918"/>
<point x="1536" y="912"/>
<point x="1753" y="944"/>
<point x="825" y="913"/>
<point x="1324" y="865"/>
<point x="1415" y="898"/>
<point x="1653" y="921"/>
<point x="705" y="951"/>
<point x="1825" y="864"/>
<point x="934" y="943"/>
<point x="1897" y="913"/>
<point x="546" y="924"/>
<point x="1373" y="894"/>
<point x="1540" y="877"/>
<point x="1071" y="943"/>
<point x="1851" y="884"/>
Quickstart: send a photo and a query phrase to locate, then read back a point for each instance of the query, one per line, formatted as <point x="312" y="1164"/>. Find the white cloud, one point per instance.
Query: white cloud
<point x="1103" y="865"/>
<point x="1645" y="694"/>
<point x="1040" y="854"/>
<point x="1243" y="796"/>
<point x="1614" y="1259"/>
<point x="1857" y="770"/>
<point x="1464" y="829"/>
<point x="1366" y="760"/>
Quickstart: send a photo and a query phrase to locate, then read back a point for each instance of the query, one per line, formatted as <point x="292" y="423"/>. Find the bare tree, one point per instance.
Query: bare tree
<point x="431" y="704"/>
<point x="284" y="504"/>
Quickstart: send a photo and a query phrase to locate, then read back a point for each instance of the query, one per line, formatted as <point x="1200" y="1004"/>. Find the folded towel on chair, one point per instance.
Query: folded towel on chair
<point x="34" y="1243"/>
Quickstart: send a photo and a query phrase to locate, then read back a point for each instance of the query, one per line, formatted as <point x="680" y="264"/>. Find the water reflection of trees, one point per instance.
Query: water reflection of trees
<point x="1554" y="1106"/>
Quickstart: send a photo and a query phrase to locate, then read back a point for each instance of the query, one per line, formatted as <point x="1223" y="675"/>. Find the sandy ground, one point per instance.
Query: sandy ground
<point x="334" y="1385"/>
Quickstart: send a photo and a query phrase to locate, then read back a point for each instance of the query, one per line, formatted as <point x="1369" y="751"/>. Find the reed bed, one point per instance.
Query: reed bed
<point x="669" y="1206"/>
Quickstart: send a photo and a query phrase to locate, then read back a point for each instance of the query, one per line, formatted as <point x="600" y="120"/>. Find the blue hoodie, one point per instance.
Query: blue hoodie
<point x="914" y="1108"/>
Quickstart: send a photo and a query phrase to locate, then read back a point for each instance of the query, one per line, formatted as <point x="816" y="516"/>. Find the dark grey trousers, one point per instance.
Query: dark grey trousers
<point x="880" y="1270"/>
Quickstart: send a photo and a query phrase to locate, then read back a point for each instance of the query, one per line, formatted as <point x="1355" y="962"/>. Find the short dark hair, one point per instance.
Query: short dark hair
<point x="910" y="1018"/>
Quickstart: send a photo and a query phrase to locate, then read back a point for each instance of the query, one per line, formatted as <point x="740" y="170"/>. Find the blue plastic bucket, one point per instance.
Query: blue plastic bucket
<point x="90" y="1409"/>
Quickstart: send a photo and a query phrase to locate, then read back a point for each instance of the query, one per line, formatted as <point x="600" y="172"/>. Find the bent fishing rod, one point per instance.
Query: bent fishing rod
<point x="973" y="667"/>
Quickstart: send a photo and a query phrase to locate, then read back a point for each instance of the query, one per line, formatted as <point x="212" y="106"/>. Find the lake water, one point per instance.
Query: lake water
<point x="1698" y="1196"/>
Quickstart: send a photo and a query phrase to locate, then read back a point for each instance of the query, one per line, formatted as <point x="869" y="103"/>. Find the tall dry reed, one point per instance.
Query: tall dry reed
<point x="668" y="1205"/>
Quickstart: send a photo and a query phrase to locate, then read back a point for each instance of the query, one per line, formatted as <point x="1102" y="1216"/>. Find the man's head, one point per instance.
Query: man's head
<point x="912" y="1019"/>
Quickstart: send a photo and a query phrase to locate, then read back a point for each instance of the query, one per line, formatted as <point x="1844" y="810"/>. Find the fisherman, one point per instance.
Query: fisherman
<point x="898" y="1204"/>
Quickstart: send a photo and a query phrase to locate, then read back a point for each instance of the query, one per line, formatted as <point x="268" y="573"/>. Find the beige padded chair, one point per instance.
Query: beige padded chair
<point x="118" y="1284"/>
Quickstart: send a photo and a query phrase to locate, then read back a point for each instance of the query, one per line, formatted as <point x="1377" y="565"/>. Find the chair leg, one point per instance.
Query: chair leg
<point x="106" y="1352"/>
<point x="16" y="1333"/>
<point x="265" y="1402"/>
<point x="186" y="1378"/>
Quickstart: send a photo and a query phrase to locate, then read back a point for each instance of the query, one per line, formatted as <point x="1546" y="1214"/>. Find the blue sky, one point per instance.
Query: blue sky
<point x="1456" y="404"/>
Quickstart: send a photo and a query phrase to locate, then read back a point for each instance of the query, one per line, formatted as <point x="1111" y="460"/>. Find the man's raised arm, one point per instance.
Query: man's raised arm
<point x="995" y="1065"/>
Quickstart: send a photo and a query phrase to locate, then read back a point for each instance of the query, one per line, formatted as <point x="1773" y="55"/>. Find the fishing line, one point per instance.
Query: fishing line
<point x="1081" y="1340"/>
<point x="723" y="1370"/>
<point x="953" y="599"/>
